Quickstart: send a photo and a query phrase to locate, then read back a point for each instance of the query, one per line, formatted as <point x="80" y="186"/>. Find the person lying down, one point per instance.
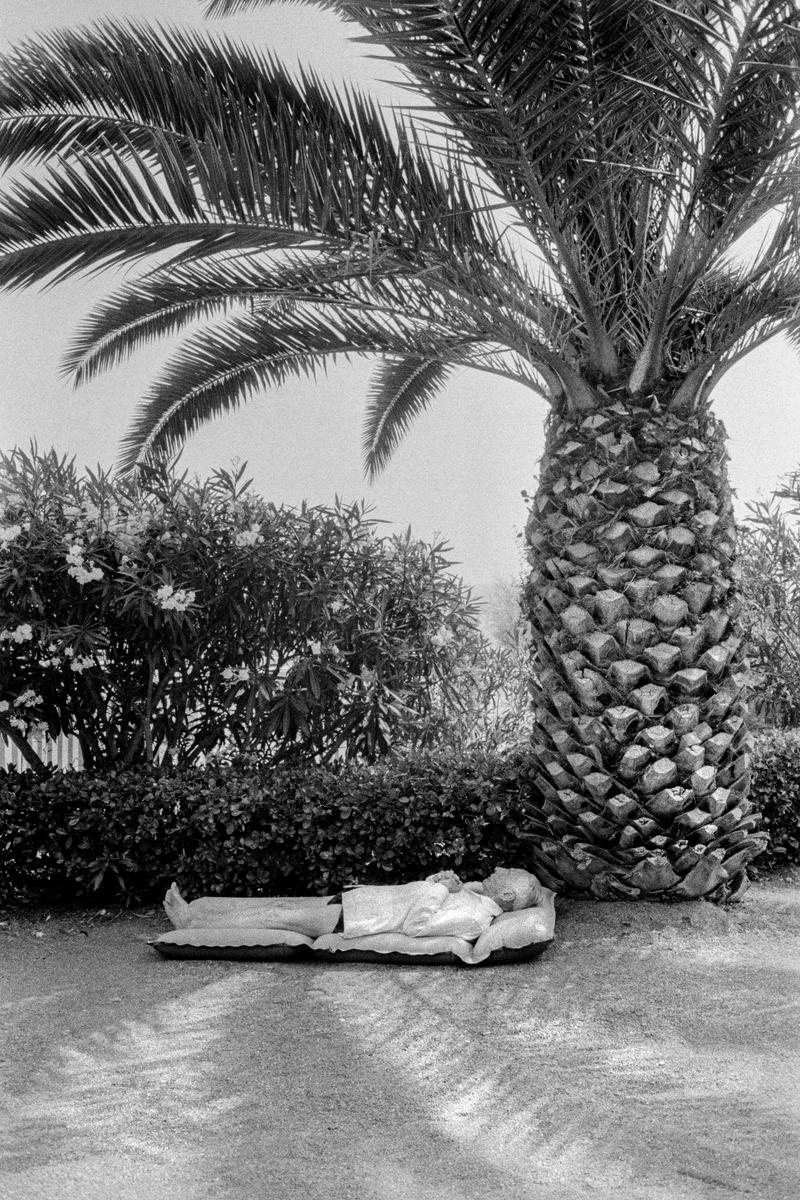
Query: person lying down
<point x="439" y="906"/>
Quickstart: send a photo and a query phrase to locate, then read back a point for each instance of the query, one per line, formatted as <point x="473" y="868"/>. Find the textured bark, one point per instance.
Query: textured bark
<point x="641" y="737"/>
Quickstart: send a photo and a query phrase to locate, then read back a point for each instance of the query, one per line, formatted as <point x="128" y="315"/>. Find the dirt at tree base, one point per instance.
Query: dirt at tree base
<point x="651" y="1052"/>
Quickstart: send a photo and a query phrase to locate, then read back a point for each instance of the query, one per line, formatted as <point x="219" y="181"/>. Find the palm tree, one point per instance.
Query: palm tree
<point x="571" y="218"/>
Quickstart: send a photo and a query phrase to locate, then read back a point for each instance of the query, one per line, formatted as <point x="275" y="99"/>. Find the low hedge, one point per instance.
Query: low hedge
<point x="243" y="829"/>
<point x="775" y="791"/>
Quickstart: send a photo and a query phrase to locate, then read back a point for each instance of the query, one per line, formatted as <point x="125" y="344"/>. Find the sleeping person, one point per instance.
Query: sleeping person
<point x="439" y="906"/>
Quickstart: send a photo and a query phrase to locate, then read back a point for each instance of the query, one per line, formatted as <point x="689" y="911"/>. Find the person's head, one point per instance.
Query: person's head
<point x="513" y="888"/>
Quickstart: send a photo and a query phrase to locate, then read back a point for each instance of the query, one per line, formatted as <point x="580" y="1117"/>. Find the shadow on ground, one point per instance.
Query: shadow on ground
<point x="651" y="1052"/>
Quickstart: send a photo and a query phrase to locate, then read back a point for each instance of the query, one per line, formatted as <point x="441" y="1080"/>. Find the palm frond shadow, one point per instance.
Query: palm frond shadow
<point x="519" y="1074"/>
<point x="126" y="1085"/>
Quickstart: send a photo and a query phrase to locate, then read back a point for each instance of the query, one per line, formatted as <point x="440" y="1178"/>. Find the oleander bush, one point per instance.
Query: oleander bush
<point x="171" y="617"/>
<point x="768" y="555"/>
<point x="241" y="828"/>
<point x="775" y="790"/>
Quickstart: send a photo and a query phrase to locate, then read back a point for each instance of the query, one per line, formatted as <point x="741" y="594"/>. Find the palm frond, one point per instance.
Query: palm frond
<point x="771" y="298"/>
<point x="227" y="8"/>
<point x="479" y="298"/>
<point x="636" y="139"/>
<point x="166" y="300"/>
<point x="739" y="301"/>
<point x="631" y="142"/>
<point x="744" y="145"/>
<point x="54" y="225"/>
<point x="747" y="339"/>
<point x="401" y="389"/>
<point x="217" y="369"/>
<point x="169" y="122"/>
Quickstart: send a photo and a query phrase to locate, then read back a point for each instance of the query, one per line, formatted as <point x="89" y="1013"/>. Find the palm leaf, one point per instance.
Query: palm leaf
<point x="649" y="135"/>
<point x="219" y="368"/>
<point x="401" y="389"/>
<point x="168" y="123"/>
<point x="165" y="301"/>
<point x="632" y="142"/>
<point x="487" y="299"/>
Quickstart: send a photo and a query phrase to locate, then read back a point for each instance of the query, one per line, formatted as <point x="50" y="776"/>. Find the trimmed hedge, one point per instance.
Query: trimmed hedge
<point x="245" y="829"/>
<point x="248" y="830"/>
<point x="775" y="791"/>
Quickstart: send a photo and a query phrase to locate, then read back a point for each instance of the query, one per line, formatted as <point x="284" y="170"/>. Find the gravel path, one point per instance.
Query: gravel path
<point x="652" y="1052"/>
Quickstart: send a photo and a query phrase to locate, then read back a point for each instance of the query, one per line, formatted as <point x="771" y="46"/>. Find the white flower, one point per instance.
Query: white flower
<point x="237" y="674"/>
<point x="4" y="706"/>
<point x="27" y="699"/>
<point x="8" y="533"/>
<point x="315" y="648"/>
<point x="249" y="537"/>
<point x="79" y="664"/>
<point x="84" y="574"/>
<point x="174" y="599"/>
<point x="23" y="633"/>
<point x="336" y="606"/>
<point x="77" y="567"/>
<point x="442" y="638"/>
<point x="18" y="723"/>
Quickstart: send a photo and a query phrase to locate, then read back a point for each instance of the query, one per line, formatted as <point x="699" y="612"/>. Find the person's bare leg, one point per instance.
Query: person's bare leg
<point x="310" y="915"/>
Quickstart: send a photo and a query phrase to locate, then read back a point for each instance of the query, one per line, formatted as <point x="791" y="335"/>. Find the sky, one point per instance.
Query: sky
<point x="459" y="473"/>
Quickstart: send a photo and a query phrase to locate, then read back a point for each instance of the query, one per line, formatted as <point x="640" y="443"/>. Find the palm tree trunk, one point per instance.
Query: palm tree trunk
<point x="641" y="737"/>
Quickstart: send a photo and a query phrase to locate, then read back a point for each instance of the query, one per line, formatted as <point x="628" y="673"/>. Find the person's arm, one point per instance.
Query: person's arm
<point x="449" y="878"/>
<point x="454" y="884"/>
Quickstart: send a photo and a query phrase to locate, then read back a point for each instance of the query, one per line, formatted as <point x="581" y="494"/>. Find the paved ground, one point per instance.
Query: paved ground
<point x="652" y="1053"/>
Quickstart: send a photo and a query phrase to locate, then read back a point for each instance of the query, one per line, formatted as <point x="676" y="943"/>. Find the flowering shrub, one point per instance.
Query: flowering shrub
<point x="179" y="618"/>
<point x="482" y="697"/>
<point x="769" y="562"/>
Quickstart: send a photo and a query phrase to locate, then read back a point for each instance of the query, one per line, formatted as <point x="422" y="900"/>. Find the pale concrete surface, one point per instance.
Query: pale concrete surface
<point x="652" y="1053"/>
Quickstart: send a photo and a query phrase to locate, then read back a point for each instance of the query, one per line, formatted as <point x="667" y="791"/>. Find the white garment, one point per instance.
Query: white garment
<point x="417" y="909"/>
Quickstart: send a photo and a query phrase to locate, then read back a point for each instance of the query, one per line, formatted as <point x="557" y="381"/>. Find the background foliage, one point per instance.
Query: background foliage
<point x="180" y="617"/>
<point x="769" y="558"/>
<point x="245" y="828"/>
<point x="775" y="790"/>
